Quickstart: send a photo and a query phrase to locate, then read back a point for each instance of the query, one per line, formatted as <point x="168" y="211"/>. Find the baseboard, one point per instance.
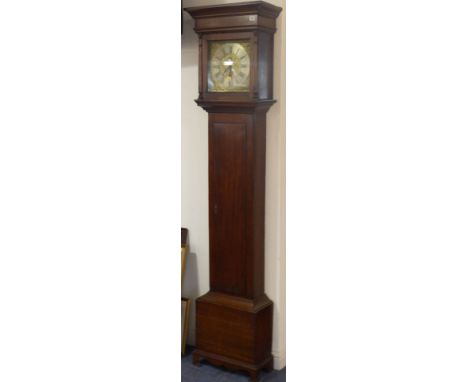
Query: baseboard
<point x="279" y="360"/>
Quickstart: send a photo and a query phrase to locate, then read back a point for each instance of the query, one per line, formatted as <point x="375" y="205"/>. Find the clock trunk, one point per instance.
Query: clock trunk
<point x="237" y="202"/>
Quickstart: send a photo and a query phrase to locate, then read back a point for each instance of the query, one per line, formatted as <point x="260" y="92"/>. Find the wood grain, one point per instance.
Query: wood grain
<point x="234" y="320"/>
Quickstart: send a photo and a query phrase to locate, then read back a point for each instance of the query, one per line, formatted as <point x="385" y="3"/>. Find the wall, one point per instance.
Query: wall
<point x="195" y="181"/>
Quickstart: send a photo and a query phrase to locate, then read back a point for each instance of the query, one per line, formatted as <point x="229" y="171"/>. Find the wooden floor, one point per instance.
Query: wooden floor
<point x="209" y="373"/>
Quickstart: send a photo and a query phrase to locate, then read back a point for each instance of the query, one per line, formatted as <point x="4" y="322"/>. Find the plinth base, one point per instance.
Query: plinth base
<point x="234" y="332"/>
<point x="232" y="364"/>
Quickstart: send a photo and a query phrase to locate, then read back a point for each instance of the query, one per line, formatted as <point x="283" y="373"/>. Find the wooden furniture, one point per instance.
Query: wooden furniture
<point x="185" y="317"/>
<point x="234" y="319"/>
<point x="185" y="302"/>
<point x="184" y="252"/>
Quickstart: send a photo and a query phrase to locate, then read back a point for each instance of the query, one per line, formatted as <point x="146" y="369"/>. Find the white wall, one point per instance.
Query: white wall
<point x="195" y="181"/>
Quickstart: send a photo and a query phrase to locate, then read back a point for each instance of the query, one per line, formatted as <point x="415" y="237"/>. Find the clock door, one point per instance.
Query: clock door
<point x="228" y="66"/>
<point x="227" y="210"/>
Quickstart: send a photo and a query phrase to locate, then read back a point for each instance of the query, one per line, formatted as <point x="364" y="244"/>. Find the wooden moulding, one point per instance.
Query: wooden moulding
<point x="236" y="302"/>
<point x="254" y="15"/>
<point x="247" y="107"/>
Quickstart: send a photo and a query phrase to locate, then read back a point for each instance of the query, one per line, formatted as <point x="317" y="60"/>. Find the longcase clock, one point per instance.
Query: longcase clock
<point x="234" y="319"/>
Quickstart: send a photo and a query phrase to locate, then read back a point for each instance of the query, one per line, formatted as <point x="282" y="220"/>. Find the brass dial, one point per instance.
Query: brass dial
<point x="229" y="66"/>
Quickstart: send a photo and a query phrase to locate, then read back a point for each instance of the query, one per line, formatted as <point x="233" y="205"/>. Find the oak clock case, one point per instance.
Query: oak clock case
<point x="234" y="319"/>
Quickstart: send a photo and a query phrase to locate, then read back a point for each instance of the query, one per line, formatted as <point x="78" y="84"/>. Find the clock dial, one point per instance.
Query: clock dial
<point x="229" y="66"/>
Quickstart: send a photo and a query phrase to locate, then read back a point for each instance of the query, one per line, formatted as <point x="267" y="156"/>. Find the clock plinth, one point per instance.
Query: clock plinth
<point x="234" y="332"/>
<point x="234" y="320"/>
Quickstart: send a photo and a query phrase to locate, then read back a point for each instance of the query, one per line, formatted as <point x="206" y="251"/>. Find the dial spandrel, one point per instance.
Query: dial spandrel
<point x="228" y="66"/>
